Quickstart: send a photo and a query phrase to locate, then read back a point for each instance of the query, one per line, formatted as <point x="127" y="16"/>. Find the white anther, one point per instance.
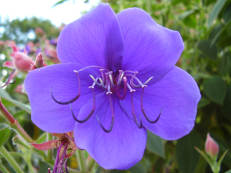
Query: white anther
<point x="121" y="74"/>
<point x="108" y="92"/>
<point x="108" y="89"/>
<point x="101" y="82"/>
<point x="92" y="77"/>
<point x="95" y="81"/>
<point x="130" y="88"/>
<point x="102" y="74"/>
<point x="130" y="71"/>
<point x="110" y="78"/>
<point x="148" y="80"/>
<point x="139" y="82"/>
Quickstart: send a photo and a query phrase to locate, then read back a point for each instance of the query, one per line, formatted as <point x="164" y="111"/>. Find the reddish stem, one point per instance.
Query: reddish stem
<point x="15" y="123"/>
<point x="7" y="114"/>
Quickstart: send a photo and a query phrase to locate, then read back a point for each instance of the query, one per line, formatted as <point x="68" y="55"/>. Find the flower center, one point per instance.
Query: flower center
<point x="113" y="83"/>
<point x="118" y="82"/>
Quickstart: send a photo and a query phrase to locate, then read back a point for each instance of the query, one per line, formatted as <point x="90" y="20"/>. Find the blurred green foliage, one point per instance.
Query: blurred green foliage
<point x="205" y="26"/>
<point x="23" y="31"/>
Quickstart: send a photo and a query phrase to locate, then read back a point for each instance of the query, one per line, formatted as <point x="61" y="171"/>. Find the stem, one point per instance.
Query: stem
<point x="91" y="165"/>
<point x="80" y="161"/>
<point x="7" y="115"/>
<point x="10" y="159"/>
<point x="14" y="123"/>
<point x="3" y="168"/>
<point x="148" y="5"/>
<point x="49" y="152"/>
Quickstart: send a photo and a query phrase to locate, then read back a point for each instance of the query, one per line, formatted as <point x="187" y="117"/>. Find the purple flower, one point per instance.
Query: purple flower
<point x="117" y="79"/>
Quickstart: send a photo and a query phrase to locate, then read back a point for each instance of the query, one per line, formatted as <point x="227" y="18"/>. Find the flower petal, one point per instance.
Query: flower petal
<point x="149" y="47"/>
<point x="175" y="96"/>
<point x="63" y="83"/>
<point x="121" y="148"/>
<point x="94" y="39"/>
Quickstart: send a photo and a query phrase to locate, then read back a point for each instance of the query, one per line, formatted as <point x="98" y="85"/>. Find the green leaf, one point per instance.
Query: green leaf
<point x="155" y="144"/>
<point x="203" y="102"/>
<point x="215" y="89"/>
<point x="6" y="96"/>
<point x="215" y="12"/>
<point x="186" y="155"/>
<point x="229" y="171"/>
<point x="42" y="138"/>
<point x="207" y="49"/>
<point x="143" y="166"/>
<point x="59" y="2"/>
<point x="4" y="135"/>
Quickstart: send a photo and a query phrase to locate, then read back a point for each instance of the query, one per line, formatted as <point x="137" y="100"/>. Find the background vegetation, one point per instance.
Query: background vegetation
<point x="205" y="26"/>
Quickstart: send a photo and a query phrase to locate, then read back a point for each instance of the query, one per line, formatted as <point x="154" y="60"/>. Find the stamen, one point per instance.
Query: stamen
<point x="120" y="77"/>
<point x="89" y="115"/>
<point x="102" y="74"/>
<point x="139" y="125"/>
<point x="132" y="72"/>
<point x="148" y="80"/>
<point x="95" y="80"/>
<point x="108" y="86"/>
<point x="65" y="166"/>
<point x="110" y="78"/>
<point x="112" y="120"/>
<point x="139" y="82"/>
<point x="124" y="89"/>
<point x="73" y="99"/>
<point x="57" y="158"/>
<point x="92" y="77"/>
<point x="62" y="158"/>
<point x="101" y="82"/>
<point x="145" y="115"/>
<point x="129" y="87"/>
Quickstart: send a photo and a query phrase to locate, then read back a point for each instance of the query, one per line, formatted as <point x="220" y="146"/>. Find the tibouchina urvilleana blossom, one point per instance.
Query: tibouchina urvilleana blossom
<point x="116" y="80"/>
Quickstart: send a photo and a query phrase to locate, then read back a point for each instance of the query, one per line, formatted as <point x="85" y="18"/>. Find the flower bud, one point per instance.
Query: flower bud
<point x="22" y="62"/>
<point x="211" y="147"/>
<point x="39" y="62"/>
<point x="39" y="32"/>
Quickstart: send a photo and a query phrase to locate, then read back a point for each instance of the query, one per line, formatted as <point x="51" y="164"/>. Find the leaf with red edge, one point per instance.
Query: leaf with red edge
<point x="47" y="145"/>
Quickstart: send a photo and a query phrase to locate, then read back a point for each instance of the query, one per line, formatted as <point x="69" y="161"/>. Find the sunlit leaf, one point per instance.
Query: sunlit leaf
<point x="4" y="135"/>
<point x="215" y="12"/>
<point x="6" y="96"/>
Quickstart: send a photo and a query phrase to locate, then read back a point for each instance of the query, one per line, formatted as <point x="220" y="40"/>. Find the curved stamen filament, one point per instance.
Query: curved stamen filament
<point x="89" y="115"/>
<point x="124" y="89"/>
<point x="71" y="100"/>
<point x="57" y="158"/>
<point x="112" y="118"/>
<point x="139" y="125"/>
<point x="65" y="166"/>
<point x="61" y="164"/>
<point x="143" y="111"/>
